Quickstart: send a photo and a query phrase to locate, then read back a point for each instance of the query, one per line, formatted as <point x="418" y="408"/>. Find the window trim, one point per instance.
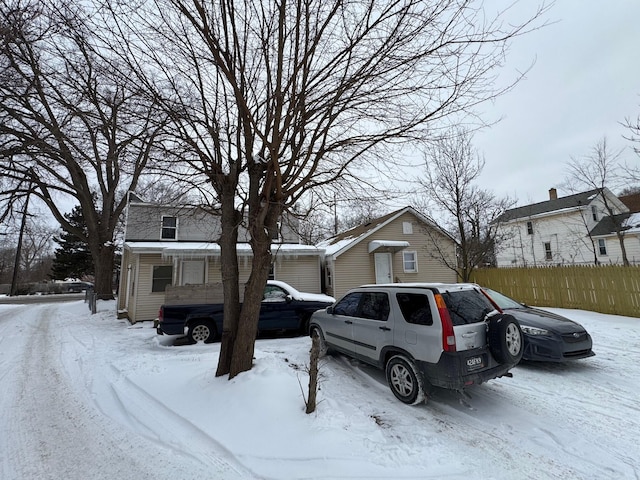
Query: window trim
<point x="415" y="261"/>
<point x="163" y="228"/>
<point x="602" y="247"/>
<point x="407" y="228"/>
<point x="154" y="279"/>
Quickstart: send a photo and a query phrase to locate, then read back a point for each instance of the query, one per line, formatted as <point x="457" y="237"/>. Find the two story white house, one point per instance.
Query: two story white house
<point x="573" y="230"/>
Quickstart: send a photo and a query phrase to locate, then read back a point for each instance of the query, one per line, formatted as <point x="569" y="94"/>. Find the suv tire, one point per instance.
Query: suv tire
<point x="506" y="342"/>
<point x="404" y="380"/>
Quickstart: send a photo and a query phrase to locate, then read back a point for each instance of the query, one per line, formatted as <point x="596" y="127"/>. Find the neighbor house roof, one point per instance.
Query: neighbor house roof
<point x="344" y="241"/>
<point x="629" y="223"/>
<point x="631" y="201"/>
<point x="558" y="204"/>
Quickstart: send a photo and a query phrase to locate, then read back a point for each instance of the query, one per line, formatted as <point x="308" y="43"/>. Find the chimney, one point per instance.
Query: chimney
<point x="553" y="194"/>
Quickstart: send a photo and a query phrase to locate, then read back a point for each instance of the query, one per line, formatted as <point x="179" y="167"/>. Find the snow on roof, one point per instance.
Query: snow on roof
<point x="211" y="248"/>
<point x="632" y="224"/>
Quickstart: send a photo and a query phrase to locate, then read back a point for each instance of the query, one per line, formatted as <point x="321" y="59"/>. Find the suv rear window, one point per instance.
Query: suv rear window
<point x="467" y="306"/>
<point x="415" y="308"/>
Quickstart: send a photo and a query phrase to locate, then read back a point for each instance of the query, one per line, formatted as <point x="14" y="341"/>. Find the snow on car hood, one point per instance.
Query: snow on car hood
<point x="314" y="297"/>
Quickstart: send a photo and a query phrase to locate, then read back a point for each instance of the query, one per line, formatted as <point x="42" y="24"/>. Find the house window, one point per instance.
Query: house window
<point x="407" y="228"/>
<point x="169" y="228"/>
<point x="529" y="228"/>
<point x="162" y="276"/>
<point x="192" y="272"/>
<point x="329" y="276"/>
<point x="594" y="213"/>
<point x="602" y="246"/>
<point x="410" y="262"/>
<point x="547" y="251"/>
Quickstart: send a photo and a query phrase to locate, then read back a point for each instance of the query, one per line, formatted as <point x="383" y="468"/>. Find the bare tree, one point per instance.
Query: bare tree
<point x="272" y="100"/>
<point x="599" y="170"/>
<point x="71" y="125"/>
<point x="452" y="168"/>
<point x="632" y="171"/>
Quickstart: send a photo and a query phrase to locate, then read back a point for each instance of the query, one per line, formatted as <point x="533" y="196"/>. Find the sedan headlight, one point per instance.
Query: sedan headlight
<point x="534" y="330"/>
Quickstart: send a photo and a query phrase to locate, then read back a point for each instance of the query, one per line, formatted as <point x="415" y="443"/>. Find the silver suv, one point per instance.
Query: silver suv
<point x="422" y="335"/>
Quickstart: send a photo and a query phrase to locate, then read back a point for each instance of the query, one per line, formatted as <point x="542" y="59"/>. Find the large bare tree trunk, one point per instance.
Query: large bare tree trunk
<point x="230" y="283"/>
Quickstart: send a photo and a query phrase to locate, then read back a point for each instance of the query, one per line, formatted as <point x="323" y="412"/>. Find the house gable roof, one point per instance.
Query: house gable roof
<point x="558" y="204"/>
<point x="337" y="245"/>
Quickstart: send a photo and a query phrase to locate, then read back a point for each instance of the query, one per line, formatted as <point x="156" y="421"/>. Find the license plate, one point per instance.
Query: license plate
<point x="474" y="363"/>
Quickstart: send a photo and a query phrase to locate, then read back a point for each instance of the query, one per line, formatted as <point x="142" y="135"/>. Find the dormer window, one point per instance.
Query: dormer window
<point x="169" y="229"/>
<point x="594" y="213"/>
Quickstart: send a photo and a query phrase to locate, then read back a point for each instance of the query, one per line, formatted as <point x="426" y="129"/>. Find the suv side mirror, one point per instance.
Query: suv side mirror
<point x="330" y="309"/>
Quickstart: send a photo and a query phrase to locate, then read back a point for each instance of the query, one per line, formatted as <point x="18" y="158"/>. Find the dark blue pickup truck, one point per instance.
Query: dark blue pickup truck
<point x="283" y="309"/>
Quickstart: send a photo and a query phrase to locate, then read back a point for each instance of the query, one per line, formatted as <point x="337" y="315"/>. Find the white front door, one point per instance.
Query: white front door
<point x="384" y="273"/>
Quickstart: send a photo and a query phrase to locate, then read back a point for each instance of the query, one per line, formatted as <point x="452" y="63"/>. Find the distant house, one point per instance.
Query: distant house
<point x="403" y="246"/>
<point x="575" y="229"/>
<point x="176" y="245"/>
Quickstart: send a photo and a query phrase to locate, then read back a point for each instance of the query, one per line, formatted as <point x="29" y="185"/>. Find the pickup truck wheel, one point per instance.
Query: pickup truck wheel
<point x="202" y="331"/>
<point x="404" y="380"/>
<point x="506" y="342"/>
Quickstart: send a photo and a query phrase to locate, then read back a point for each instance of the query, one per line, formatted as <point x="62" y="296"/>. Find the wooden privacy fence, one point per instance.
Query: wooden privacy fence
<point x="610" y="289"/>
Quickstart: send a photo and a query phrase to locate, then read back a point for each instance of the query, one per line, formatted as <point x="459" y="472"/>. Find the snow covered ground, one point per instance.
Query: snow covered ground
<point x="92" y="397"/>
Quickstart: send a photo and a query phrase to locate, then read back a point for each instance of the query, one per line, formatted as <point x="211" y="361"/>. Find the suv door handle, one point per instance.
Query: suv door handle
<point x="469" y="335"/>
<point x="386" y="329"/>
<point x="349" y="322"/>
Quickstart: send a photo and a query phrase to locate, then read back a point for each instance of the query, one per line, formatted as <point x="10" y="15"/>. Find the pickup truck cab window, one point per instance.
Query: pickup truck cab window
<point x="273" y="293"/>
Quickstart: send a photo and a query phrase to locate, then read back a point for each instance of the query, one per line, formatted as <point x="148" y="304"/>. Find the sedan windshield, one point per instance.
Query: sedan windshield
<point x="502" y="300"/>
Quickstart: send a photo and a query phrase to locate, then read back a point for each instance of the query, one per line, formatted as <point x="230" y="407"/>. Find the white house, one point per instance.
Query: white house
<point x="575" y="229"/>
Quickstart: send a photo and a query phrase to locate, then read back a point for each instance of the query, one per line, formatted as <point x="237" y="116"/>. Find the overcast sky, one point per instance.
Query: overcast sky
<point x="585" y="81"/>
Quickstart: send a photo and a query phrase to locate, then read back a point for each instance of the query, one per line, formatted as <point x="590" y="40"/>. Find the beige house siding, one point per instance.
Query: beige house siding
<point x="147" y="303"/>
<point x="302" y="272"/>
<point x="356" y="266"/>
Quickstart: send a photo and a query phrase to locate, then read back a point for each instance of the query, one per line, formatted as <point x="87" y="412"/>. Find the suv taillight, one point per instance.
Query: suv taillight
<point x="448" y="336"/>
<point x="160" y="315"/>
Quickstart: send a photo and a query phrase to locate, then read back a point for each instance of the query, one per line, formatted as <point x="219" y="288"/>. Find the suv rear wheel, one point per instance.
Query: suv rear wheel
<point x="404" y="380"/>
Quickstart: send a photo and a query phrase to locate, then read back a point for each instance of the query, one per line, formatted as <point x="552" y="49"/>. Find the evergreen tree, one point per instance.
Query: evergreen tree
<point x="73" y="258"/>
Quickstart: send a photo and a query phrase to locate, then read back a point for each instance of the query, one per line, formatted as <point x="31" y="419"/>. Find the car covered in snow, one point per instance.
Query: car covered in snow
<point x="548" y="337"/>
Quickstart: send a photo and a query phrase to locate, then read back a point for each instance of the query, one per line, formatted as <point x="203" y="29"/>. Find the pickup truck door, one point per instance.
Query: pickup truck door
<point x="278" y="310"/>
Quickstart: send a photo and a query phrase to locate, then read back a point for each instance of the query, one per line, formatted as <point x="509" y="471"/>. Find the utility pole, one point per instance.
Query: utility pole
<point x="16" y="265"/>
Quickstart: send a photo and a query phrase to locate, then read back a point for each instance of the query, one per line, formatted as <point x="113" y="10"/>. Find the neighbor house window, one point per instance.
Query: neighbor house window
<point x="602" y="246"/>
<point x="407" y="228"/>
<point x="169" y="228"/>
<point x="162" y="276"/>
<point x="329" y="276"/>
<point x="594" y="213"/>
<point x="529" y="228"/>
<point x="410" y="262"/>
<point x="547" y="251"/>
